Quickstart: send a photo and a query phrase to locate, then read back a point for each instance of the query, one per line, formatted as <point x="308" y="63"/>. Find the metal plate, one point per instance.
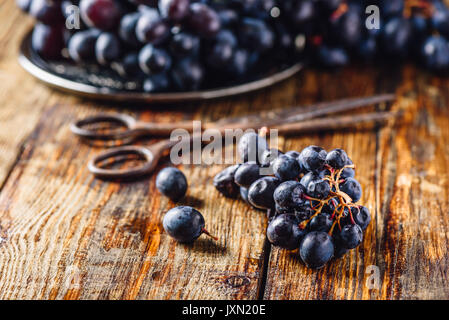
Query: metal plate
<point x="93" y="82"/>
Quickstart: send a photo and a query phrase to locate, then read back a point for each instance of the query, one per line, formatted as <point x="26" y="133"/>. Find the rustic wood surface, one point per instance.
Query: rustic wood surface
<point x="66" y="235"/>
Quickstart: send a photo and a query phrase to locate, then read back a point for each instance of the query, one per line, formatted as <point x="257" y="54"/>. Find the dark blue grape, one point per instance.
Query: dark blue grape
<point x="284" y="38"/>
<point x="302" y="13"/>
<point x="268" y="156"/>
<point x="228" y="17"/>
<point x="251" y="147"/>
<point x="225" y="184"/>
<point x="47" y="12"/>
<point x="313" y="158"/>
<point x="283" y="210"/>
<point x="246" y="174"/>
<point x="296" y="155"/>
<point x="283" y="231"/>
<point x="286" y="168"/>
<point x="322" y="222"/>
<point x="304" y="211"/>
<point x="203" y="20"/>
<point x="81" y="45"/>
<point x="293" y="154"/>
<point x="184" y="44"/>
<point x="256" y="35"/>
<point x="440" y="18"/>
<point x="330" y="206"/>
<point x="107" y="48"/>
<point x="260" y="193"/>
<point x="157" y="83"/>
<point x="127" y="29"/>
<point x="47" y="41"/>
<point x="392" y="7"/>
<point x="337" y="158"/>
<point x="101" y="14"/>
<point x="241" y="62"/>
<point x="185" y="224"/>
<point x="223" y="49"/>
<point x="244" y="194"/>
<point x="175" y="10"/>
<point x="352" y="188"/>
<point x="348" y="172"/>
<point x="318" y="189"/>
<point x="361" y="216"/>
<point x="151" y="28"/>
<point x="316" y="249"/>
<point x="348" y="28"/>
<point x="396" y="37"/>
<point x="154" y="60"/>
<point x="289" y="194"/>
<point x="128" y="66"/>
<point x="311" y="176"/>
<point x="435" y="53"/>
<point x="172" y="183"/>
<point x="188" y="74"/>
<point x="420" y="27"/>
<point x="350" y="236"/>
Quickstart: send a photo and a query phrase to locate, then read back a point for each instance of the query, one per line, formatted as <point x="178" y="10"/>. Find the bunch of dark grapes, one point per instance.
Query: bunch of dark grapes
<point x="408" y="30"/>
<point x="184" y="45"/>
<point x="310" y="197"/>
<point x="167" y="45"/>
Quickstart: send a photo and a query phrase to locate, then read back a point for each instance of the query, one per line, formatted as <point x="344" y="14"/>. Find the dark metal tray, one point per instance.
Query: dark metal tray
<point x="93" y="82"/>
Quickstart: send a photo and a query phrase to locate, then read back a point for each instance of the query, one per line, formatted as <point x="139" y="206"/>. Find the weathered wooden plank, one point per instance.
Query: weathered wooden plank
<point x="21" y="98"/>
<point x="412" y="247"/>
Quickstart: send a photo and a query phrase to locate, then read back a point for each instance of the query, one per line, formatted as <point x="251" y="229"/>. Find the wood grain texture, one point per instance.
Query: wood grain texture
<point x="66" y="235"/>
<point x="413" y="194"/>
<point x="22" y="98"/>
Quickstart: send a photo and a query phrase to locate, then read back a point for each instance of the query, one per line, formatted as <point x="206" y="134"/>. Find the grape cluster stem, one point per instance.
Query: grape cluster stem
<point x="344" y="199"/>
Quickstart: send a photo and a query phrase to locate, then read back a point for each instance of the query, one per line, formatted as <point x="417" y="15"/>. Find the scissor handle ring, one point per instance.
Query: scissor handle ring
<point x="137" y="172"/>
<point x="122" y="119"/>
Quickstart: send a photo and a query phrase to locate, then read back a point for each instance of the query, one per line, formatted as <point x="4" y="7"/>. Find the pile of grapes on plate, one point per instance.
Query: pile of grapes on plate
<point x="310" y="198"/>
<point x="186" y="45"/>
<point x="168" y="45"/>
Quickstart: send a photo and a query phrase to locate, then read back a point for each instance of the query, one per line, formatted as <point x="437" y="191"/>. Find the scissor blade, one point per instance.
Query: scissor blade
<point x="340" y="122"/>
<point x="295" y="114"/>
<point x="338" y="106"/>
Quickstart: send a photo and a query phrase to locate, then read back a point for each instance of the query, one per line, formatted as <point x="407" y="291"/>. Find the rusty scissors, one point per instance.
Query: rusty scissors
<point x="287" y="121"/>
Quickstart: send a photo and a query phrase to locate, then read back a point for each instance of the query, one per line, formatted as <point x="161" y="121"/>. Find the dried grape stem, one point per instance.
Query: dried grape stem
<point x="208" y="234"/>
<point x="344" y="199"/>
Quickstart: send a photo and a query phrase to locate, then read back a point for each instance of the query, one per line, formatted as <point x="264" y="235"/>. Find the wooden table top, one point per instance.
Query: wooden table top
<point x="66" y="235"/>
